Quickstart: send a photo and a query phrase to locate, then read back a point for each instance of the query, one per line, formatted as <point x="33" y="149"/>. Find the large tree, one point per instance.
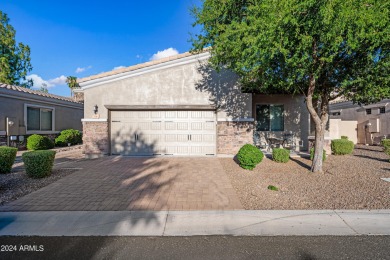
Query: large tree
<point x="323" y="49"/>
<point x="14" y="57"/>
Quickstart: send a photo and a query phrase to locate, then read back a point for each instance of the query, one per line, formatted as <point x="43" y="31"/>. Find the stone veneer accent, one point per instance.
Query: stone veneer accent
<point x="95" y="139"/>
<point x="232" y="135"/>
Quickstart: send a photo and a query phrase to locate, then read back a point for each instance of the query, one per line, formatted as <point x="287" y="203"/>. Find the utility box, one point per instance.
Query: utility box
<point x="374" y="127"/>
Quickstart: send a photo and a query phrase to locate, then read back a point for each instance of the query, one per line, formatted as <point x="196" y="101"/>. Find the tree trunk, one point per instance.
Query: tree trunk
<point x="318" y="148"/>
<point x="320" y="122"/>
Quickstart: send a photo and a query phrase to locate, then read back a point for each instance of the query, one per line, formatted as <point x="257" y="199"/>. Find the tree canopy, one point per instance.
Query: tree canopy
<point x="14" y="57"/>
<point x="72" y="83"/>
<point x="323" y="49"/>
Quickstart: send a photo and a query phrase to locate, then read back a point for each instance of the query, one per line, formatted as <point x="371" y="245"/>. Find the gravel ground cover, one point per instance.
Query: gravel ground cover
<point x="17" y="184"/>
<point x="348" y="182"/>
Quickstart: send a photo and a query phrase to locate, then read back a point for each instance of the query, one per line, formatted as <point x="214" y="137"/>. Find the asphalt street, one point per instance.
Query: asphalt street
<point x="196" y="247"/>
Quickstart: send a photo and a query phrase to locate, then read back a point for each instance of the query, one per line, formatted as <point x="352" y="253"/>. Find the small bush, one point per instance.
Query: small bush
<point x="272" y="187"/>
<point x="341" y="146"/>
<point x="38" y="164"/>
<point x="39" y="142"/>
<point x="249" y="156"/>
<point x="68" y="136"/>
<point x="344" y="137"/>
<point x="386" y="145"/>
<point x="312" y="154"/>
<point x="280" y="155"/>
<point x="7" y="158"/>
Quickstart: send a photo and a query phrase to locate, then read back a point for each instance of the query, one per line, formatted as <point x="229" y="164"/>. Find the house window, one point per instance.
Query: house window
<point x="270" y="117"/>
<point x="382" y="110"/>
<point x="39" y="119"/>
<point x="336" y="113"/>
<point x="368" y="111"/>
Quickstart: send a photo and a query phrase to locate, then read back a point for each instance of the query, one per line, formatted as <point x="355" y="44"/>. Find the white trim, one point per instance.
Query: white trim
<point x="124" y="75"/>
<point x="45" y="102"/>
<point x="236" y="120"/>
<point x="94" y="120"/>
<point x="53" y="119"/>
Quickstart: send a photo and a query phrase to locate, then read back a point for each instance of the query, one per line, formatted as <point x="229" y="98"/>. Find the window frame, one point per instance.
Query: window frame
<point x="270" y="122"/>
<point x="382" y="109"/>
<point x="368" y="113"/>
<point x="52" y="131"/>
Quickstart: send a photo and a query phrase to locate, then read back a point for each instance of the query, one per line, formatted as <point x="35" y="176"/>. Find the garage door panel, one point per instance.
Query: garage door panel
<point x="197" y="138"/>
<point x="182" y="114"/>
<point x="197" y="126"/>
<point x="156" y="125"/>
<point x="170" y="125"/>
<point x="170" y="114"/>
<point x="208" y="138"/>
<point x="163" y="132"/>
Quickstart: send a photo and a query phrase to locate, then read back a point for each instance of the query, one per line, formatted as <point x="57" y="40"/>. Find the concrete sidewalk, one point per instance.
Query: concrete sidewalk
<point x="190" y="223"/>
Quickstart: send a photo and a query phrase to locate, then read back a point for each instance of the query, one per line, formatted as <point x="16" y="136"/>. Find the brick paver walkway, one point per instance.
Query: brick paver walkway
<point x="123" y="183"/>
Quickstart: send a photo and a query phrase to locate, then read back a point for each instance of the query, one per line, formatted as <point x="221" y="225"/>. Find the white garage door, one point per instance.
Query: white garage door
<point x="163" y="132"/>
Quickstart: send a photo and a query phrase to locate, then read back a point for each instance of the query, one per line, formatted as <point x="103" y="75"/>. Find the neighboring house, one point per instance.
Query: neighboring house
<point x="24" y="112"/>
<point x="180" y="106"/>
<point x="366" y="124"/>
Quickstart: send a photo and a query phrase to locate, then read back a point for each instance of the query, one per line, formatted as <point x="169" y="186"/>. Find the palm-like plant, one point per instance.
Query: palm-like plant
<point x="72" y="83"/>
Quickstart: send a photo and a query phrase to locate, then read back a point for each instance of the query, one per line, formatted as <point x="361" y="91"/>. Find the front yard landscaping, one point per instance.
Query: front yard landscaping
<point x="348" y="182"/>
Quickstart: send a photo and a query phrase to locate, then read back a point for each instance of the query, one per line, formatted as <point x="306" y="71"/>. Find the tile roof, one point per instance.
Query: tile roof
<point x="139" y="66"/>
<point x="36" y="92"/>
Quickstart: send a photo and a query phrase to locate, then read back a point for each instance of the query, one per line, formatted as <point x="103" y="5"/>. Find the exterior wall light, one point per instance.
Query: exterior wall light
<point x="11" y="123"/>
<point x="95" y="109"/>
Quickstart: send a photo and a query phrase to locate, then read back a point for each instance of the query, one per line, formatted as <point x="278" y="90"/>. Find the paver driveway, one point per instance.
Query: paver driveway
<point x="124" y="183"/>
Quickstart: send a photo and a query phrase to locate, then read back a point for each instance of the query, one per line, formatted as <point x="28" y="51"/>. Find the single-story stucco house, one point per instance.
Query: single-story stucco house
<point x="180" y="106"/>
<point x="25" y="111"/>
<point x="366" y="124"/>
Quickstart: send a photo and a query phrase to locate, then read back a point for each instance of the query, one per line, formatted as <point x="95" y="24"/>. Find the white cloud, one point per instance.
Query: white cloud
<point x="39" y="81"/>
<point x="165" y="53"/>
<point x="79" y="70"/>
<point x="119" y="67"/>
<point x="61" y="80"/>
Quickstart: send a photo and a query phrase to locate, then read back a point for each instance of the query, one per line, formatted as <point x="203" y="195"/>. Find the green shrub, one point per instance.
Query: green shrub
<point x="272" y="187"/>
<point x="280" y="155"/>
<point x="38" y="164"/>
<point x="344" y="137"/>
<point x="386" y="145"/>
<point x="249" y="156"/>
<point x="39" y="142"/>
<point x="341" y="146"/>
<point x="7" y="158"/>
<point x="68" y="136"/>
<point x="312" y="154"/>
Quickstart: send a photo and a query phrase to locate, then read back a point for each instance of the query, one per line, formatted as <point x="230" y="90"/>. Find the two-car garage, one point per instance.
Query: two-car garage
<point x="163" y="132"/>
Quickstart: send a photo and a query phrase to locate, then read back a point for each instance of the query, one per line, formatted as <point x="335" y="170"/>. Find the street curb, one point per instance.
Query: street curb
<point x="194" y="223"/>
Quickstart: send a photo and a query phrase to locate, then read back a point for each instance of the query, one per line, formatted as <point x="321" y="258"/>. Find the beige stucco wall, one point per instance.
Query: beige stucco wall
<point x="67" y="114"/>
<point x="358" y="114"/>
<point x="296" y="116"/>
<point x="338" y="128"/>
<point x="188" y="84"/>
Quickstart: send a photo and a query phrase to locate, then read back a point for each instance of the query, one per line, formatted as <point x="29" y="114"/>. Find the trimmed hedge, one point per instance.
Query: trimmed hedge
<point x="7" y="158"/>
<point x="312" y="154"/>
<point x="341" y="146"/>
<point x="39" y="142"/>
<point x="280" y="155"/>
<point x="71" y="136"/>
<point x="344" y="137"/>
<point x="249" y="156"/>
<point x="38" y="164"/>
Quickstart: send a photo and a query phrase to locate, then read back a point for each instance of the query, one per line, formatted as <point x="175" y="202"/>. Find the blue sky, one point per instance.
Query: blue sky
<point x="82" y="38"/>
